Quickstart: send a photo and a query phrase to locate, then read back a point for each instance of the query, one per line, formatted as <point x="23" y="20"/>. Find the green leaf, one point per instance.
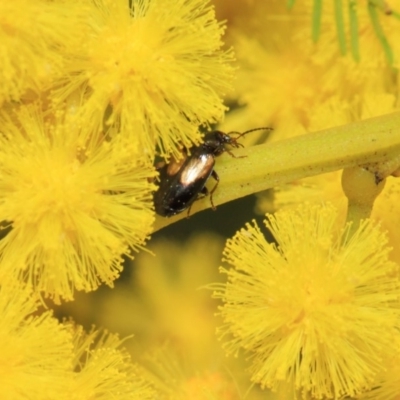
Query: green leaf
<point x="395" y="14"/>
<point x="373" y="14"/>
<point x="316" y="23"/>
<point x="384" y="7"/>
<point x="340" y="26"/>
<point x="290" y="3"/>
<point x="355" y="50"/>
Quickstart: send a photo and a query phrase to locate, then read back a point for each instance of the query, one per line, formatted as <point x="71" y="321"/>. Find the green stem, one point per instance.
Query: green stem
<point x="269" y="165"/>
<point x="361" y="188"/>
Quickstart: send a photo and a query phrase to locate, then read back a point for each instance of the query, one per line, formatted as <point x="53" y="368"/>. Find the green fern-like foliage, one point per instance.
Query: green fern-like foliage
<point x="376" y="8"/>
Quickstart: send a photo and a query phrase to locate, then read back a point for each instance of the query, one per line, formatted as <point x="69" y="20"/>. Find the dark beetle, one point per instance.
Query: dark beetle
<point x="183" y="181"/>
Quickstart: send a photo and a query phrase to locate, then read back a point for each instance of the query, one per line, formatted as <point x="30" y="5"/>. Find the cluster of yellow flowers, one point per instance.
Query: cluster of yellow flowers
<point x="97" y="98"/>
<point x="92" y="92"/>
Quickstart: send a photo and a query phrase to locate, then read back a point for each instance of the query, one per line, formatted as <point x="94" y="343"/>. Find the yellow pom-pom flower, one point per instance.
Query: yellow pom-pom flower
<point x="37" y="351"/>
<point x="44" y="359"/>
<point x="103" y="370"/>
<point x="73" y="208"/>
<point x="155" y="67"/>
<point x="33" y="36"/>
<point x="387" y="383"/>
<point x="318" y="308"/>
<point x="178" y="377"/>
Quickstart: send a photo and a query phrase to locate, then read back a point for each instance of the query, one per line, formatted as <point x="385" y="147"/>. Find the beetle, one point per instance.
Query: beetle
<point x="183" y="181"/>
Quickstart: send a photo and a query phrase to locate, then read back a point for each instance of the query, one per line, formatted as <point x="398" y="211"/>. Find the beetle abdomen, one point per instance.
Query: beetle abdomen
<point x="178" y="192"/>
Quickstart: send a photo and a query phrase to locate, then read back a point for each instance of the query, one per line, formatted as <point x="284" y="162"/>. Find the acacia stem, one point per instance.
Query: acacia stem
<point x="272" y="164"/>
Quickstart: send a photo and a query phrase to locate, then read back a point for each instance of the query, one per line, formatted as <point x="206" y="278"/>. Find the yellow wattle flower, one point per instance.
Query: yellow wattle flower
<point x="316" y="310"/>
<point x="73" y="208"/>
<point x="178" y="377"/>
<point x="44" y="359"/>
<point x="155" y="68"/>
<point x="103" y="370"/>
<point x="286" y="78"/>
<point x="386" y="386"/>
<point x="37" y="351"/>
<point x="33" y="36"/>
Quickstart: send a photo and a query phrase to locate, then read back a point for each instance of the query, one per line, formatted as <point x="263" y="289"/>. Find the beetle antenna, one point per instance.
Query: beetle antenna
<point x="264" y="128"/>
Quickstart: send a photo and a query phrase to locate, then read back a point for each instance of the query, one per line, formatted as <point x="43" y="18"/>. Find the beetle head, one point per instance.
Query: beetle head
<point x="216" y="141"/>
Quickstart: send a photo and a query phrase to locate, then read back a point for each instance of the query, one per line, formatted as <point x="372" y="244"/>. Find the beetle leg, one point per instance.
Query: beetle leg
<point x="203" y="192"/>
<point x="232" y="155"/>
<point x="216" y="177"/>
